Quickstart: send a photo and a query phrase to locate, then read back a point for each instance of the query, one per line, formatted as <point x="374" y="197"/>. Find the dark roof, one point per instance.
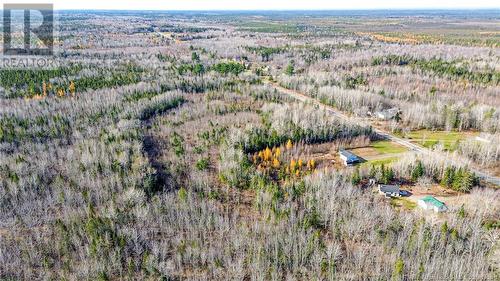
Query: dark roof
<point x="349" y="155"/>
<point x="386" y="188"/>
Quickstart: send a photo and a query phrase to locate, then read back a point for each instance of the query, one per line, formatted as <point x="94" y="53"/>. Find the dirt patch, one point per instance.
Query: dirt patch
<point x="434" y="190"/>
<point x="325" y="155"/>
<point x="365" y="152"/>
<point x="495" y="171"/>
<point x="451" y="198"/>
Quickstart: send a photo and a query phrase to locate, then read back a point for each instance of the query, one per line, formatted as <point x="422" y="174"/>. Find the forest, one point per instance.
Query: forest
<point x="202" y="146"/>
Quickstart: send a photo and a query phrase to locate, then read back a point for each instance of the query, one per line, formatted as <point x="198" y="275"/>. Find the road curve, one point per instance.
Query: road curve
<point x="414" y="147"/>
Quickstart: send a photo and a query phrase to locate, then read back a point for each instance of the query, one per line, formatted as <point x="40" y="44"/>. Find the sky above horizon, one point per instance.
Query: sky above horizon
<point x="263" y="4"/>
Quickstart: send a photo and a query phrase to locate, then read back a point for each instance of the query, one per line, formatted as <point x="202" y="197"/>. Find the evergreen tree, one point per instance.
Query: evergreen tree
<point x="467" y="181"/>
<point x="373" y="172"/>
<point x="390" y="174"/>
<point x="198" y="69"/>
<point x="387" y="174"/>
<point x="444" y="230"/>
<point x="461" y="212"/>
<point x="290" y="69"/>
<point x="457" y="180"/>
<point x="195" y="56"/>
<point x="356" y="177"/>
<point x="448" y="176"/>
<point x="397" y="117"/>
<point x="418" y="171"/>
<point x="382" y="174"/>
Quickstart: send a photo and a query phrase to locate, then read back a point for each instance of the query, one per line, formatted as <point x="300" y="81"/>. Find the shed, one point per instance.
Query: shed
<point x="348" y="157"/>
<point x="389" y="190"/>
<point x="431" y="203"/>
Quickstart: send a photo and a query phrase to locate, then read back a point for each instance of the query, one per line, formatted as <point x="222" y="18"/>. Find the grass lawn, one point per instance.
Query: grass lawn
<point x="404" y="203"/>
<point x="429" y="139"/>
<point x="388" y="147"/>
<point x="380" y="152"/>
<point x="379" y="162"/>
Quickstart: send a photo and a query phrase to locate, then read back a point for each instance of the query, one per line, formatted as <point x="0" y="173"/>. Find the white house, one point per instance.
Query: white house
<point x="389" y="190"/>
<point x="387" y="114"/>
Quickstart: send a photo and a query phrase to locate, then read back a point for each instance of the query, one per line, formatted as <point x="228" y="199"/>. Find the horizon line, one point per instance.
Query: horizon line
<point x="319" y="10"/>
<point x="291" y="10"/>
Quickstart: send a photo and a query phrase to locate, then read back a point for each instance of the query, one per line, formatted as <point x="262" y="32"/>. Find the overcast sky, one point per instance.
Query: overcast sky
<point x="262" y="4"/>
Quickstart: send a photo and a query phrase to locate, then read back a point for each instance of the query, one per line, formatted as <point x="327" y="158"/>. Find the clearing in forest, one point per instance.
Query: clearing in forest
<point x="429" y="139"/>
<point x="380" y="152"/>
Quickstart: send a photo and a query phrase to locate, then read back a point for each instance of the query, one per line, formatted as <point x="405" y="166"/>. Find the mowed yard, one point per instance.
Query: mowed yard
<point x="380" y="152"/>
<point x="429" y="139"/>
<point x="453" y="200"/>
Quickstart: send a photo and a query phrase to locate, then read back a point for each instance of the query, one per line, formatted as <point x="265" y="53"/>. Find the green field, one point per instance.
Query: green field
<point x="388" y="147"/>
<point x="381" y="152"/>
<point x="403" y="203"/>
<point x="429" y="139"/>
<point x="379" y="162"/>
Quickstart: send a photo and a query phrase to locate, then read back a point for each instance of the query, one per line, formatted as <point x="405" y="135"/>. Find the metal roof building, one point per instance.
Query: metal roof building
<point x="348" y="157"/>
<point x="431" y="203"/>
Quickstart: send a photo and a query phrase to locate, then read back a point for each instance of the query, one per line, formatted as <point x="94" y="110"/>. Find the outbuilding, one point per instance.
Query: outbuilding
<point x="431" y="203"/>
<point x="348" y="157"/>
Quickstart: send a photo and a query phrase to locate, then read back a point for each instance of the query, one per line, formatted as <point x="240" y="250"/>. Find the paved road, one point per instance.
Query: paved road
<point x="414" y="147"/>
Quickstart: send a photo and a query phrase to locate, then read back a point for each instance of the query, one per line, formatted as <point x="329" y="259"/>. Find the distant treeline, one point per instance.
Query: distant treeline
<point x="266" y="52"/>
<point x="222" y="68"/>
<point x="30" y="82"/>
<point x="441" y="67"/>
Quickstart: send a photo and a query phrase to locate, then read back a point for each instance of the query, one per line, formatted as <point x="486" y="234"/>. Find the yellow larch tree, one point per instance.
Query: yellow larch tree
<point x="292" y="165"/>
<point x="44" y="89"/>
<point x="311" y="164"/>
<point x="261" y="155"/>
<point x="267" y="154"/>
<point x="72" y="88"/>
<point x="60" y="92"/>
<point x="276" y="163"/>
<point x="277" y="152"/>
